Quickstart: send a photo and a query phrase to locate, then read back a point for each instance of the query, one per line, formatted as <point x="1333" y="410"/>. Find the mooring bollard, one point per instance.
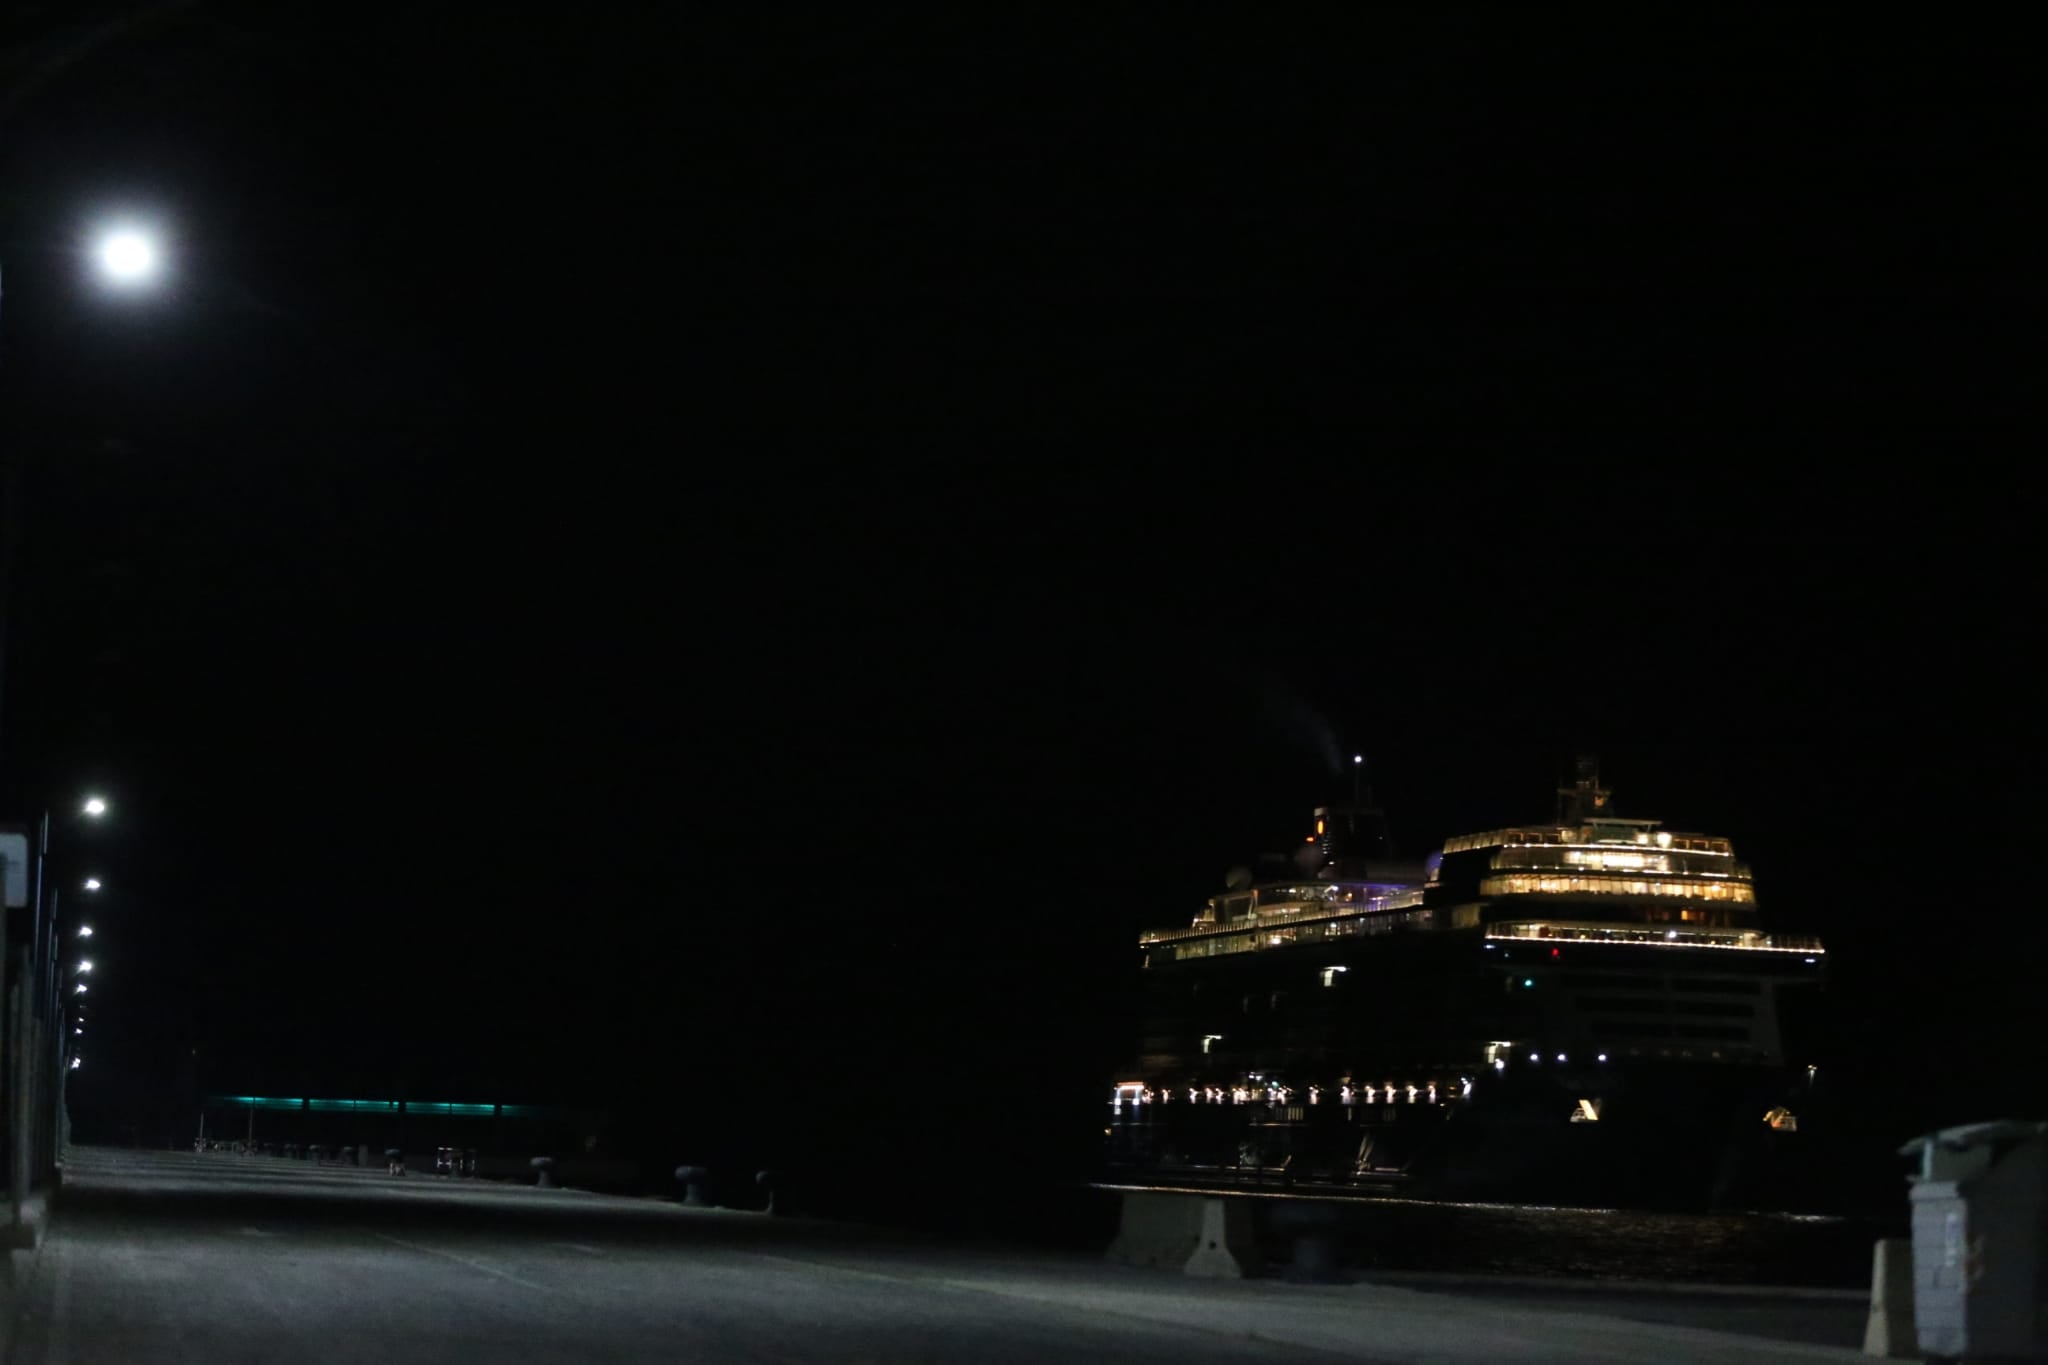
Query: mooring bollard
<point x="694" y="1179"/>
<point x="394" y="1161"/>
<point x="543" y="1172"/>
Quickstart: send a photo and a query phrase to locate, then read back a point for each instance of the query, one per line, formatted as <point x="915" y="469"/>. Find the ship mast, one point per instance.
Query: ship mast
<point x="1355" y="837"/>
<point x="1585" y="798"/>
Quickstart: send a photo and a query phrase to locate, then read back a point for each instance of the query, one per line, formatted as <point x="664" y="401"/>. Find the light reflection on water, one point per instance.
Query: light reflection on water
<point x="1763" y="1248"/>
<point x="1737" y="1248"/>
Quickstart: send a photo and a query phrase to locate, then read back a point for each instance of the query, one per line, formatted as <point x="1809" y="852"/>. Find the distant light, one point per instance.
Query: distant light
<point x="1534" y="1058"/>
<point x="95" y="807"/>
<point x="1603" y="1057"/>
<point x="1812" y="960"/>
<point x="92" y="883"/>
<point x="80" y="990"/>
<point x="85" y="931"/>
<point x="1500" y="1064"/>
<point x="1560" y="1056"/>
<point x="1308" y="839"/>
<point x="1358" y="758"/>
<point x="78" y="1033"/>
<point x="1528" y="983"/>
<point x="76" y="1062"/>
<point x="1671" y="935"/>
<point x="85" y="965"/>
<point x="128" y="256"/>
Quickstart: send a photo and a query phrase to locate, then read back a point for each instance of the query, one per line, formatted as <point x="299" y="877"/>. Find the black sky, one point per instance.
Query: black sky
<point x="654" y="555"/>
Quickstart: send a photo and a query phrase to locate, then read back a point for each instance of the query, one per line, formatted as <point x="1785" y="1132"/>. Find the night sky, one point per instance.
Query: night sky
<point x="721" y="567"/>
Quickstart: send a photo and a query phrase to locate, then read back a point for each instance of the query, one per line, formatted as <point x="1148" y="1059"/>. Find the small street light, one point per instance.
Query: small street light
<point x="85" y="931"/>
<point x="92" y="883"/>
<point x="85" y="965"/>
<point x="95" y="807"/>
<point x="80" y="990"/>
<point x="128" y="257"/>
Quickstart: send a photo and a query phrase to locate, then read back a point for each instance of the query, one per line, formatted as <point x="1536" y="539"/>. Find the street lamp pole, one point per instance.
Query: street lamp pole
<point x="10" y="532"/>
<point x="128" y="258"/>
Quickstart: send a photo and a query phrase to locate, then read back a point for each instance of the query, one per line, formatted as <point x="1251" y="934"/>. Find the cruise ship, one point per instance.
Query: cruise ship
<point x="1584" y="1009"/>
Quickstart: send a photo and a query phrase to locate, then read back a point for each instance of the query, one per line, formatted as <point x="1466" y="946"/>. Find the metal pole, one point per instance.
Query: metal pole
<point x="59" y="1056"/>
<point x="12" y="485"/>
<point x="10" y="519"/>
<point x="42" y="856"/>
<point x="23" y="1062"/>
<point x="6" y="1070"/>
<point x="49" y="987"/>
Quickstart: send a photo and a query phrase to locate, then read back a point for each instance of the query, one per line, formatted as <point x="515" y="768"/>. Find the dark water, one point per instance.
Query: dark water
<point x="1760" y="1249"/>
<point x="1418" y="1235"/>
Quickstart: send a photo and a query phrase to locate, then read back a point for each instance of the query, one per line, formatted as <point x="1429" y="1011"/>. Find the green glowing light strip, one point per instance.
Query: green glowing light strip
<point x="452" y="1109"/>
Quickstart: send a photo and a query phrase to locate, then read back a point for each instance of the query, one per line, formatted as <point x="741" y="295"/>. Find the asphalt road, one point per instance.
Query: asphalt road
<point x="220" y="1259"/>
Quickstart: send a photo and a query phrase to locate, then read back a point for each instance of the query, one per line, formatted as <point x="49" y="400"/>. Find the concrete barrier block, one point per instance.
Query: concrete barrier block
<point x="1193" y="1233"/>
<point x="1227" y="1249"/>
<point x="1156" y="1230"/>
<point x="1889" y="1332"/>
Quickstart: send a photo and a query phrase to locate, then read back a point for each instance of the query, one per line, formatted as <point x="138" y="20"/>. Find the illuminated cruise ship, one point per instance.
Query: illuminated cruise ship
<point x="1586" y="1006"/>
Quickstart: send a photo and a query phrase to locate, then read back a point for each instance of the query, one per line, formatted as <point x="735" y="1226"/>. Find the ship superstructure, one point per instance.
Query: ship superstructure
<point x="1589" y="969"/>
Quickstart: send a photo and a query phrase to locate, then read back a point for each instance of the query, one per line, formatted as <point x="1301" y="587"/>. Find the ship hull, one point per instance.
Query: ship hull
<point x="1452" y="1065"/>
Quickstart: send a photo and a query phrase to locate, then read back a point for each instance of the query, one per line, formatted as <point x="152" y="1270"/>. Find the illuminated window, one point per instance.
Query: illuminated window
<point x="1547" y="884"/>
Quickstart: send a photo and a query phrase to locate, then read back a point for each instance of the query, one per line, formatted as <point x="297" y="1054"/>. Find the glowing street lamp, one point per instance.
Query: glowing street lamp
<point x="85" y="931"/>
<point x="80" y="990"/>
<point x="128" y="257"/>
<point x="92" y="883"/>
<point x="85" y="965"/>
<point x="94" y="806"/>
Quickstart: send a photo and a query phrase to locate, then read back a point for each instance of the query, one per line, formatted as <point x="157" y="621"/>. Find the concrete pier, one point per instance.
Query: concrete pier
<point x="174" y="1257"/>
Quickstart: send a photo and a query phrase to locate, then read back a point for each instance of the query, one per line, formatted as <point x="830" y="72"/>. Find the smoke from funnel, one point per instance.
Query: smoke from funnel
<point x="1301" y="724"/>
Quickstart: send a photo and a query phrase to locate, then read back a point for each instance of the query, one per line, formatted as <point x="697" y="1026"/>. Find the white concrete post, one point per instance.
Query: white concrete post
<point x="1890" y="1330"/>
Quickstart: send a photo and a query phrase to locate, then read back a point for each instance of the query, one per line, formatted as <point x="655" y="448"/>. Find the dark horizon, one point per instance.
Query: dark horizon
<point x="724" y="569"/>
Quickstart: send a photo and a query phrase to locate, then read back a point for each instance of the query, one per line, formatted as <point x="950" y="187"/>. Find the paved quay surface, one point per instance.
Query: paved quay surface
<point x="222" y="1259"/>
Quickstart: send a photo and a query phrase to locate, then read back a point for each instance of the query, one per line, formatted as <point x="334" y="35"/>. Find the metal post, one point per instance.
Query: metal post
<point x="48" y="1138"/>
<point x="7" y="1067"/>
<point x="50" y="1083"/>
<point x="18" y="1108"/>
<point x="42" y="867"/>
<point x="12" y="486"/>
